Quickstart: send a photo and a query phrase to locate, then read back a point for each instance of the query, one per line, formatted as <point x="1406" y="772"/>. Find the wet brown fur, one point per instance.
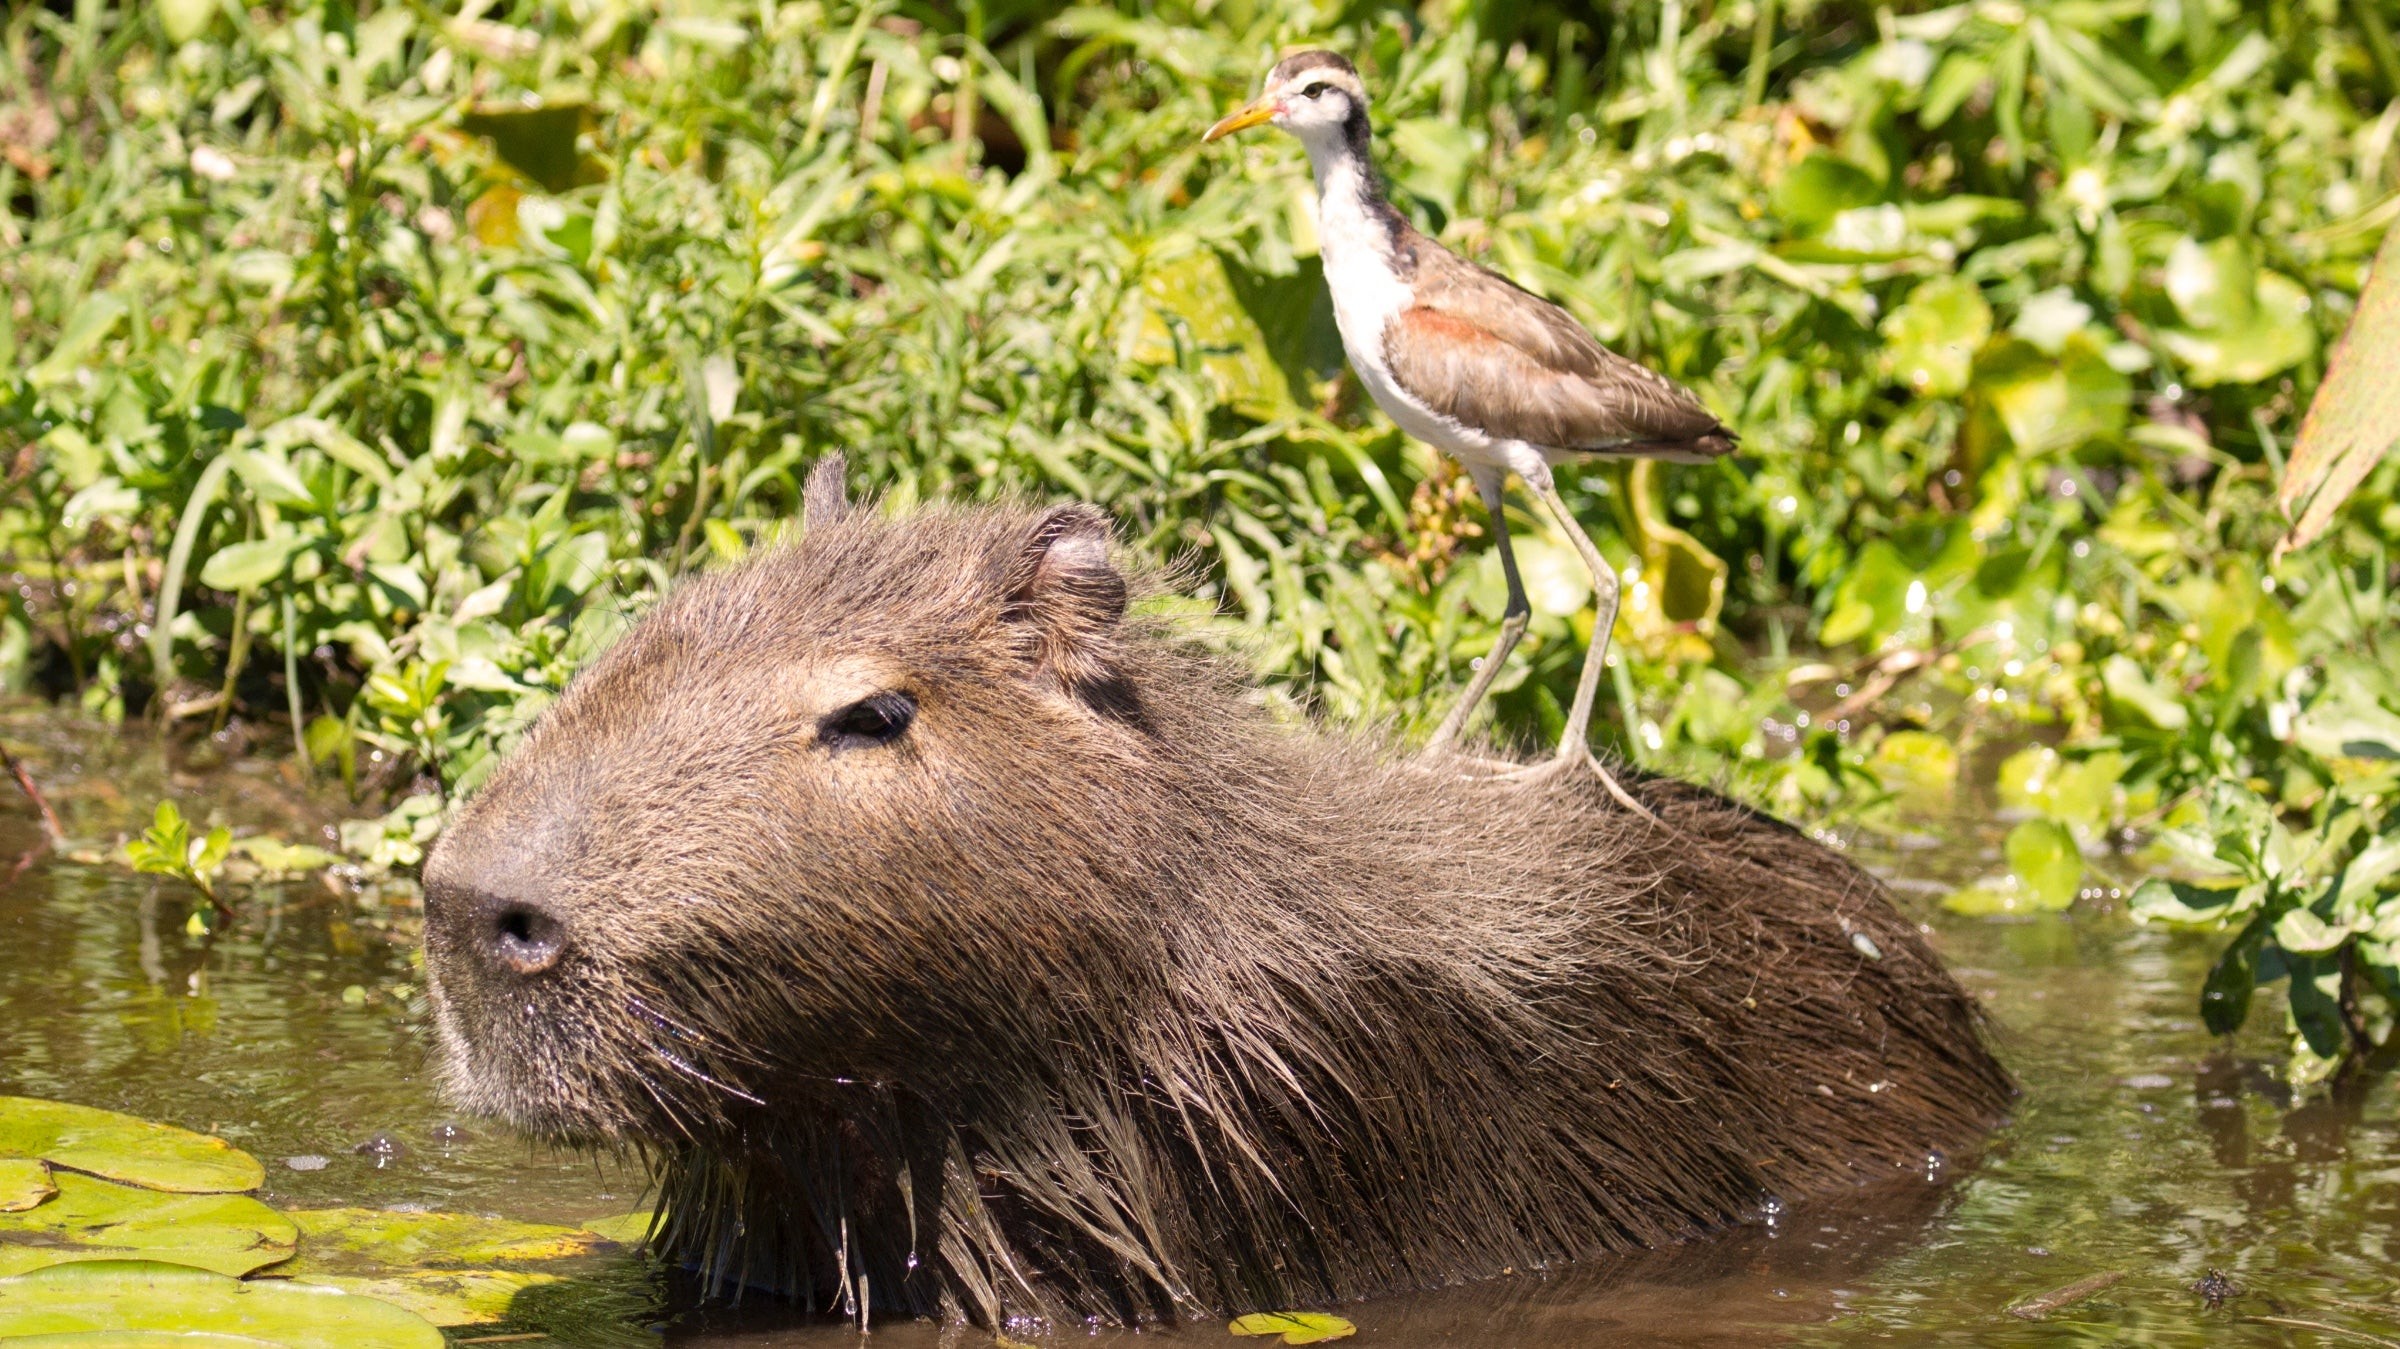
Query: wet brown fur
<point x="1099" y="994"/>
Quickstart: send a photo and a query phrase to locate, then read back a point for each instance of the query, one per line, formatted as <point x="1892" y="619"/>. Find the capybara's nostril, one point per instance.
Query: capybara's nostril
<point x="525" y="939"/>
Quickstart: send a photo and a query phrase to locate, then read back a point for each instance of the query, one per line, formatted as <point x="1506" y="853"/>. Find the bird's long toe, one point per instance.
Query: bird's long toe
<point x="1568" y="767"/>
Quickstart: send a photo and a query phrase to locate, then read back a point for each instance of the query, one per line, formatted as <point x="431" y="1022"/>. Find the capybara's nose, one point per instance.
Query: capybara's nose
<point x="522" y="937"/>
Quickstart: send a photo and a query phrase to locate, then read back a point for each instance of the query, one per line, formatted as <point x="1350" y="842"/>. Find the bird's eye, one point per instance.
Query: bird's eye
<point x="1313" y="90"/>
<point x="869" y="721"/>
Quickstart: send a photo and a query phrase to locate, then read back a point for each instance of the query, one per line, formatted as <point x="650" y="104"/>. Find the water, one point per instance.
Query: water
<point x="2142" y="1146"/>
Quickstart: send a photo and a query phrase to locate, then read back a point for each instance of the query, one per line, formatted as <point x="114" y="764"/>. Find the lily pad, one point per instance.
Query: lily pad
<point x="445" y="1297"/>
<point x="626" y="1229"/>
<point x="1294" y="1327"/>
<point x="142" y="1303"/>
<point x="123" y="1148"/>
<point x="1917" y="767"/>
<point x="96" y="1220"/>
<point x="24" y="1183"/>
<point x="2044" y="857"/>
<point x="349" y="1240"/>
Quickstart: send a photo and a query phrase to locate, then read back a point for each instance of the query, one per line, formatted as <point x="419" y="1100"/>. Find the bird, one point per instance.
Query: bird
<point x="1475" y="365"/>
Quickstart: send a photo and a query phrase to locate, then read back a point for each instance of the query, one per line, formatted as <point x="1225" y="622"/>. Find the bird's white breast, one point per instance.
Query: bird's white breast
<point x="1367" y="295"/>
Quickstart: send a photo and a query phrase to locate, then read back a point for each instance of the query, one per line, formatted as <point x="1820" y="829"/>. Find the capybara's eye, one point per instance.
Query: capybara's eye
<point x="869" y="721"/>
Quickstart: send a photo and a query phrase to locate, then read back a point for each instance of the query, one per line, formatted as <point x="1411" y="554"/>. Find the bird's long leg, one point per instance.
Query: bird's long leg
<point x="1492" y="483"/>
<point x="1574" y="747"/>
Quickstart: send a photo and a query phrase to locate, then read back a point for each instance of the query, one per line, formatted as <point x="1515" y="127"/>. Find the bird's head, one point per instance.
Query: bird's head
<point x="1315" y="95"/>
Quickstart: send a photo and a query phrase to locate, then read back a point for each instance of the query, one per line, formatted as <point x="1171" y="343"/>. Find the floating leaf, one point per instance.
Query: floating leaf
<point x="2354" y="420"/>
<point x="445" y="1297"/>
<point x="1918" y="767"/>
<point x="1294" y="1327"/>
<point x="24" y="1183"/>
<point x="123" y="1148"/>
<point x="626" y="1229"/>
<point x="140" y="1302"/>
<point x="2043" y="856"/>
<point x="344" y="1239"/>
<point x="2078" y="792"/>
<point x="97" y="1220"/>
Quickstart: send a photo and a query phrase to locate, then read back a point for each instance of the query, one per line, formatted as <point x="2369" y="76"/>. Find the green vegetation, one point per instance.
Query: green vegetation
<point x="367" y="364"/>
<point x="113" y="1223"/>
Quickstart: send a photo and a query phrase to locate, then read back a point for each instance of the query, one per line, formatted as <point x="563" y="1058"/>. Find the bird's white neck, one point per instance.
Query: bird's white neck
<point x="1351" y="212"/>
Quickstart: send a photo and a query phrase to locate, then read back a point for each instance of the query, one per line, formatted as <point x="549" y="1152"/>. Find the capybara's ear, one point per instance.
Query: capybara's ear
<point x="825" y="498"/>
<point x="1065" y="597"/>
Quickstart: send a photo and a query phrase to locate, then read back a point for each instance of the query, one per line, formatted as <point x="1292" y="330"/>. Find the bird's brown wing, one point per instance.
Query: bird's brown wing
<point x="1506" y="361"/>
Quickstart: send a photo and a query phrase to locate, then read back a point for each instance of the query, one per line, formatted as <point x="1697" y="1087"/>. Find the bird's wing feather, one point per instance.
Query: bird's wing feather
<point x="1476" y="348"/>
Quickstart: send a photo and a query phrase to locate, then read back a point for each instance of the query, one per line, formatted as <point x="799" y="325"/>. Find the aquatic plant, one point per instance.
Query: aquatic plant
<point x="365" y="364"/>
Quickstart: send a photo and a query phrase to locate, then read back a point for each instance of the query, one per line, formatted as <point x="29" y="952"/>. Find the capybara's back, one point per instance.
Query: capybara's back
<point x="951" y="936"/>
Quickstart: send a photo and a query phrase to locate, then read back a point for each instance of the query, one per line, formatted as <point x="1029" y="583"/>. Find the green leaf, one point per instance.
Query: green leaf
<point x="2347" y="722"/>
<point x="1293" y="1327"/>
<point x="2043" y="856"/>
<point x="2316" y="1002"/>
<point x="24" y="1183"/>
<point x="2302" y="932"/>
<point x="724" y="540"/>
<point x="93" y="320"/>
<point x="2052" y="402"/>
<point x="2275" y="335"/>
<point x="2213" y="285"/>
<point x="1192" y="304"/>
<point x="247" y="566"/>
<point x="2078" y="792"/>
<point x="122" y="1147"/>
<point x="1878" y="594"/>
<point x="2158" y="900"/>
<point x="343" y="1240"/>
<point x="272" y="479"/>
<point x="537" y="141"/>
<point x="1931" y="339"/>
<point x="184" y="20"/>
<point x="1919" y="768"/>
<point x="2225" y="995"/>
<point x="103" y="1302"/>
<point x="1819" y="188"/>
<point x="626" y="1229"/>
<point x="444" y="1297"/>
<point x="99" y="1220"/>
<point x="2131" y="694"/>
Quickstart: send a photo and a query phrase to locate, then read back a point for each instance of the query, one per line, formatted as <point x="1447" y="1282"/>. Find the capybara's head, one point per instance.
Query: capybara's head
<point x="786" y="800"/>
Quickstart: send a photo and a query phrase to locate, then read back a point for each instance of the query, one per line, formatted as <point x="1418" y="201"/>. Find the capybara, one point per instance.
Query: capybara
<point x="953" y="937"/>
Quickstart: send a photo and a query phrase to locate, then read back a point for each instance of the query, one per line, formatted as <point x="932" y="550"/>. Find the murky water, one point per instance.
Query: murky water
<point x="2142" y="1147"/>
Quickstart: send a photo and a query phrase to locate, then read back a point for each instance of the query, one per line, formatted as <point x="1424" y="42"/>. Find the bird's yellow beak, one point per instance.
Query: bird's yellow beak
<point x="1253" y="114"/>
